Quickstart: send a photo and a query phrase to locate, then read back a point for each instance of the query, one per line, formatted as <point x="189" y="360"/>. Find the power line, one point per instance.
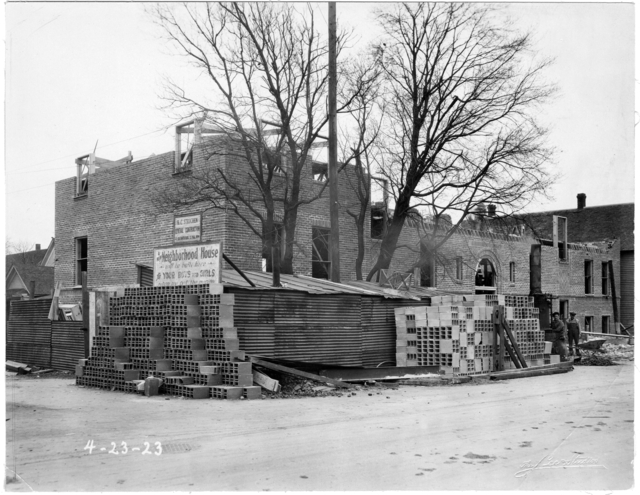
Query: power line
<point x="75" y="155"/>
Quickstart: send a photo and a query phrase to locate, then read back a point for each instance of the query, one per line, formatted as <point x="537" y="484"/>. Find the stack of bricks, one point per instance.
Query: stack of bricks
<point x="183" y="335"/>
<point x="456" y="333"/>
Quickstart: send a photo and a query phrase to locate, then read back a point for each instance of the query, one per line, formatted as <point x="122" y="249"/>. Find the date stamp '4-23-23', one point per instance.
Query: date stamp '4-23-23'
<point x="146" y="449"/>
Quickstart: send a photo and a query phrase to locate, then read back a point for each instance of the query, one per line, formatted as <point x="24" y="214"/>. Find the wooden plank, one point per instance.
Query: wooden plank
<point x="291" y="371"/>
<point x="614" y="299"/>
<point x="512" y="338"/>
<point x="53" y="310"/>
<point x="530" y="372"/>
<point x="266" y="382"/>
<point x="499" y="335"/>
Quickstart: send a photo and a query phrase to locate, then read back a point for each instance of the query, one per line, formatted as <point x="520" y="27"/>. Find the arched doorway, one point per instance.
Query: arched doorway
<point x="485" y="277"/>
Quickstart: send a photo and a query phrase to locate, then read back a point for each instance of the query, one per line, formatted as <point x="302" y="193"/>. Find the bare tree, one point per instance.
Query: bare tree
<point x="266" y="71"/>
<point x="460" y="121"/>
<point x="19" y="247"/>
<point x="363" y="79"/>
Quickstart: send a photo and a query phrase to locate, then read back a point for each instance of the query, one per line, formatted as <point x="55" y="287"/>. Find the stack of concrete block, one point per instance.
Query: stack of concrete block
<point x="456" y="333"/>
<point x="183" y="335"/>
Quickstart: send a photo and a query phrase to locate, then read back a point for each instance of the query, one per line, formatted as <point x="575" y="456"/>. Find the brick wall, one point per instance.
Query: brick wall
<point x="563" y="279"/>
<point x="122" y="227"/>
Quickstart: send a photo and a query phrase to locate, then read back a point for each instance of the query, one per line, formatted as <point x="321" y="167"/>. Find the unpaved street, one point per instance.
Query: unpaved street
<point x="568" y="431"/>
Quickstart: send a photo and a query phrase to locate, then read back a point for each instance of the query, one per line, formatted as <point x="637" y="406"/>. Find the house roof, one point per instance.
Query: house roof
<point x="27" y="258"/>
<point x="42" y="275"/>
<point x="589" y="224"/>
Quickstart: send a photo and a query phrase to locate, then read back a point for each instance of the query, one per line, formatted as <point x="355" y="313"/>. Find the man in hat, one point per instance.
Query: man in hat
<point x="573" y="331"/>
<point x="559" y="342"/>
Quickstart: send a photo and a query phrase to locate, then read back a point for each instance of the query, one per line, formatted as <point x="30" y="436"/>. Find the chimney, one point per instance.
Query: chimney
<point x="37" y="247"/>
<point x="582" y="201"/>
<point x="492" y="210"/>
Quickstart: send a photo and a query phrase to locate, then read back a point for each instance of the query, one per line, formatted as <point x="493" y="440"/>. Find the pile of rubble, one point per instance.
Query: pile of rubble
<point x="610" y="354"/>
<point x="618" y="352"/>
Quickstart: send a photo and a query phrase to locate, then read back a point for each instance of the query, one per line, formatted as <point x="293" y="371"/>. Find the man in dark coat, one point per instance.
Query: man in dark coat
<point x="559" y="342"/>
<point x="573" y="332"/>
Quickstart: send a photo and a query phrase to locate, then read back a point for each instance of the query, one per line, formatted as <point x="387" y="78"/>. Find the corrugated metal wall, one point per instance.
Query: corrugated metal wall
<point x="379" y="329"/>
<point x="341" y="329"/>
<point x="298" y="326"/>
<point x="35" y="340"/>
<point x="67" y="344"/>
<point x="626" y="287"/>
<point x="29" y="332"/>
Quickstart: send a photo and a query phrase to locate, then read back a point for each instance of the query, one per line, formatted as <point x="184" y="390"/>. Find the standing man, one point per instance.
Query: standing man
<point x="573" y="331"/>
<point x="559" y="343"/>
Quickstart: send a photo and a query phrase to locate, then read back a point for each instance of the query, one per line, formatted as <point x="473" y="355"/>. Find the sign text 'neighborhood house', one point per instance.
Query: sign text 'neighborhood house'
<point x="187" y="265"/>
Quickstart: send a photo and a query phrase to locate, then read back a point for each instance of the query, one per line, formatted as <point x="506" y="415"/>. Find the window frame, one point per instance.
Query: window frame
<point x="588" y="323"/>
<point x="79" y="260"/>
<point x="512" y="272"/>
<point x="560" y="237"/>
<point x="588" y="277"/>
<point x="606" y="318"/>
<point x="606" y="286"/>
<point x="316" y="253"/>
<point x="459" y="268"/>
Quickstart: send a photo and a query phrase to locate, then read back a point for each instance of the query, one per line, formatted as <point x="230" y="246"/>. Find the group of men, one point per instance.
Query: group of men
<point x="572" y="331"/>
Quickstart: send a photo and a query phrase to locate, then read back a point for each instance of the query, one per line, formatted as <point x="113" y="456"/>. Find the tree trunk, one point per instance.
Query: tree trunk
<point x="388" y="246"/>
<point x="286" y="265"/>
<point x="360" y="219"/>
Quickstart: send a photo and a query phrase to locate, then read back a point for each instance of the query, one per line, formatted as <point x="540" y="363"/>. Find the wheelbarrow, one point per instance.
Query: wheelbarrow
<point x="590" y="347"/>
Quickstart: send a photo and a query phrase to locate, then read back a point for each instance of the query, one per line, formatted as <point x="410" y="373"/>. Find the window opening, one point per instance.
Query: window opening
<point x="459" y="274"/>
<point x="320" y="264"/>
<point x="605" y="278"/>
<point x="564" y="309"/>
<point x="378" y="213"/>
<point x="512" y="272"/>
<point x="588" y="323"/>
<point x="427" y="270"/>
<point x="606" y="319"/>
<point x="320" y="171"/>
<point x="81" y="258"/>
<point x="88" y="164"/>
<point x="485" y="274"/>
<point x="588" y="277"/>
<point x="560" y="236"/>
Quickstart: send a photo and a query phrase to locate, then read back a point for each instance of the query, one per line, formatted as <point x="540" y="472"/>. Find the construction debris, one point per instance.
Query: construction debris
<point x="19" y="368"/>
<point x="607" y="355"/>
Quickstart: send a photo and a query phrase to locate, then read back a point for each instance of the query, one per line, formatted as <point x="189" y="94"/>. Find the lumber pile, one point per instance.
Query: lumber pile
<point x="456" y="333"/>
<point x="183" y="335"/>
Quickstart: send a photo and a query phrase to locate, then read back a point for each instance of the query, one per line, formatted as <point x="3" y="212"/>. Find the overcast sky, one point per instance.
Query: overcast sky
<point x="77" y="73"/>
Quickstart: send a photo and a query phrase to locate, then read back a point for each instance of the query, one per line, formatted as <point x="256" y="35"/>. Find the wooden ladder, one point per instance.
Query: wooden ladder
<point x="500" y="342"/>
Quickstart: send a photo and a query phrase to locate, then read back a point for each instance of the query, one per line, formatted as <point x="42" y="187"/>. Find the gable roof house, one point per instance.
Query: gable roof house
<point x="30" y="267"/>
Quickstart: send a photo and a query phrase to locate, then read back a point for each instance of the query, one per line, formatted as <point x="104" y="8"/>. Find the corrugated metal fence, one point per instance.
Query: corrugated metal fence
<point x="338" y="329"/>
<point x="35" y="340"/>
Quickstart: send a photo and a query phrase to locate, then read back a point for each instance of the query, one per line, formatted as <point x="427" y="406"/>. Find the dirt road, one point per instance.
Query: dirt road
<point x="569" y="431"/>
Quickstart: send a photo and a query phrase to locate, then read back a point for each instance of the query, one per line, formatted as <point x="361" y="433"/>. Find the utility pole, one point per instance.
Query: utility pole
<point x="334" y="238"/>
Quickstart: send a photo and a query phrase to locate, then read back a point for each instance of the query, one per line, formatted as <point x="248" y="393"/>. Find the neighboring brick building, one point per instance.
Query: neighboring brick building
<point x="505" y="262"/>
<point x="597" y="224"/>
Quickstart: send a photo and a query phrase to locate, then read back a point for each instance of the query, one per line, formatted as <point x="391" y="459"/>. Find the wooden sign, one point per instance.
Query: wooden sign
<point x="187" y="228"/>
<point x="188" y="265"/>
